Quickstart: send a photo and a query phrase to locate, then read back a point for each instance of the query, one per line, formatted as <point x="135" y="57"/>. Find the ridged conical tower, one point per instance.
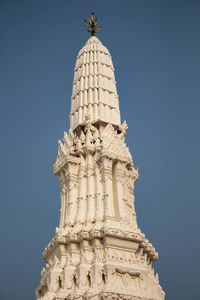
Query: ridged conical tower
<point x="98" y="251"/>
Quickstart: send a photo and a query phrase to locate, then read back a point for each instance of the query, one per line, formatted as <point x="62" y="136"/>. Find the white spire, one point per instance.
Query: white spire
<point x="94" y="88"/>
<point x="98" y="253"/>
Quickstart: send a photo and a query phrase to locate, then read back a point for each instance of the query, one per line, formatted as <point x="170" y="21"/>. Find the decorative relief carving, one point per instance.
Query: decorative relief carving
<point x="111" y="143"/>
<point x="128" y="277"/>
<point x="99" y="255"/>
<point x="123" y="129"/>
<point x="113" y="296"/>
<point x="114" y="255"/>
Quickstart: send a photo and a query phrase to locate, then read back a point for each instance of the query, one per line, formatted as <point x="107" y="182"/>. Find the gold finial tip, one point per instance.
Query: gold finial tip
<point x="92" y="25"/>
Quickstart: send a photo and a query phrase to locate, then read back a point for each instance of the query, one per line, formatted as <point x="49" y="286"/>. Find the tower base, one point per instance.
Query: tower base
<point x="99" y="266"/>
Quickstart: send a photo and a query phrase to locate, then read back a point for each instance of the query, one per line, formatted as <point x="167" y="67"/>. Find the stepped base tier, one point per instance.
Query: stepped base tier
<point x="98" y="251"/>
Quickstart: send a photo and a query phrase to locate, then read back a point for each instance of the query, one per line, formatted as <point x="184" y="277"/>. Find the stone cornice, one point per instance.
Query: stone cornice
<point x="101" y="233"/>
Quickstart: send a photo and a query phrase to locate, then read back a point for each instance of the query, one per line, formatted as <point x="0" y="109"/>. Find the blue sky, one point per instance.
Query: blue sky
<point x="155" y="48"/>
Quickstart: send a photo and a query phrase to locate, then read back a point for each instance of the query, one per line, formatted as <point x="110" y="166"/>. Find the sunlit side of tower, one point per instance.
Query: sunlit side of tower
<point x="98" y="251"/>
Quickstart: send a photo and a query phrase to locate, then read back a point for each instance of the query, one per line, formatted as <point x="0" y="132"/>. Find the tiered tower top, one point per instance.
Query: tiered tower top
<point x="94" y="92"/>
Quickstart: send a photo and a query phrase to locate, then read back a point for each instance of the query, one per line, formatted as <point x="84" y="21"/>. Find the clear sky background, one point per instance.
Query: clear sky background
<point x="155" y="48"/>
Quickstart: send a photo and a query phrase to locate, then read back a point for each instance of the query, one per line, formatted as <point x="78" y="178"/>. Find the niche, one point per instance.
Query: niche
<point x="103" y="279"/>
<point x="88" y="280"/>
<point x="59" y="283"/>
<point x="73" y="282"/>
<point x="42" y="291"/>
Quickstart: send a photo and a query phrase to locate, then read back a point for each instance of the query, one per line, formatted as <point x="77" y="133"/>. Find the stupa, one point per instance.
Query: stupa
<point x="98" y="251"/>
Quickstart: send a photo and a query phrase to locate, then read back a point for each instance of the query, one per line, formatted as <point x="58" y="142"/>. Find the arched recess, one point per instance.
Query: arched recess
<point x="103" y="279"/>
<point x="88" y="280"/>
<point x="59" y="283"/>
<point x="74" y="282"/>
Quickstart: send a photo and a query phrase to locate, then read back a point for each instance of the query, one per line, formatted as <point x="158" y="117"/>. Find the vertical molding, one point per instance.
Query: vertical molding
<point x="115" y="190"/>
<point x="90" y="188"/>
<point x="81" y="191"/>
<point x="63" y="204"/>
<point x="99" y="190"/>
<point x="96" y="190"/>
<point x="107" y="180"/>
<point x="72" y="193"/>
<point x="119" y="174"/>
<point x="67" y="208"/>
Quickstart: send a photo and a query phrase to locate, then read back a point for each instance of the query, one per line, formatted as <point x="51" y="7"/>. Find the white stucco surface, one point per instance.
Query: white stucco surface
<point x="98" y="251"/>
<point x="94" y="88"/>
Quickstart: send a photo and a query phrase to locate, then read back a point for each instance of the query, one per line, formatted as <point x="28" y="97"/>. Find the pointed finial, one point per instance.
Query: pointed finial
<point x="92" y="24"/>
